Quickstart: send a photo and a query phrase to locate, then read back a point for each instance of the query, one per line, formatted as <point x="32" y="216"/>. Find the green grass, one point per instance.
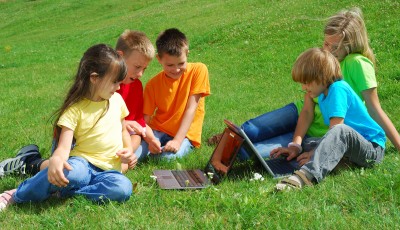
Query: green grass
<point x="249" y="48"/>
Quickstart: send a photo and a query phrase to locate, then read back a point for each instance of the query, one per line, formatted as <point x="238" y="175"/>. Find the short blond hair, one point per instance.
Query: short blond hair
<point x="316" y="65"/>
<point x="350" y="26"/>
<point x="131" y="40"/>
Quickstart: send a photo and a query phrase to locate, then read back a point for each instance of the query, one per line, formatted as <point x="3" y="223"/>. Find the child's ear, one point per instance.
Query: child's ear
<point x="93" y="77"/>
<point x="158" y="58"/>
<point x="121" y="53"/>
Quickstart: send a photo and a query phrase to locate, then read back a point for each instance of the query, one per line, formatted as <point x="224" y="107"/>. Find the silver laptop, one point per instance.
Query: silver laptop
<point x="277" y="167"/>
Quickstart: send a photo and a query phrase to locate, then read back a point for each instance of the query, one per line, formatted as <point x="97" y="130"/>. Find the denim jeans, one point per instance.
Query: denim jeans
<point x="342" y="141"/>
<point x="84" y="179"/>
<point x="143" y="150"/>
<point x="270" y="130"/>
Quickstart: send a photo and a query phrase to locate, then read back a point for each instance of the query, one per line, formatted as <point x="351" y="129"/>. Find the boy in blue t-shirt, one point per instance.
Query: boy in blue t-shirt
<point x="352" y="132"/>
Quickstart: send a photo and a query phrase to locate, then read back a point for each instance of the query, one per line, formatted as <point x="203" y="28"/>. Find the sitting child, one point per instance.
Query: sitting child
<point x="174" y="98"/>
<point x="352" y="132"/>
<point x="93" y="115"/>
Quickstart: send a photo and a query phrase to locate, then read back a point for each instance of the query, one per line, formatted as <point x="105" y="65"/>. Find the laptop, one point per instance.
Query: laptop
<point x="218" y="166"/>
<point x="277" y="167"/>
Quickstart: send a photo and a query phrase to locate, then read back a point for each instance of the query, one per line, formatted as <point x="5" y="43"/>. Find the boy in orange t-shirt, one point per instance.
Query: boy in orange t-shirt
<point x="174" y="98"/>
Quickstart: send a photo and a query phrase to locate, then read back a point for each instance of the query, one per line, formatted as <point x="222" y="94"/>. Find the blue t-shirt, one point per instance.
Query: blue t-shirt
<point x="343" y="102"/>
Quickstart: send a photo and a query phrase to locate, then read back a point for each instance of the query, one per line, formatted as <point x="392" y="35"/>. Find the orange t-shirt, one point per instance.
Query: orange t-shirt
<point x="165" y="100"/>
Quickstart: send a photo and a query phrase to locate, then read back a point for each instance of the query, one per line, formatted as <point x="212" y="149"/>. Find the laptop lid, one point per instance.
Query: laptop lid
<point x="281" y="168"/>
<point x="224" y="155"/>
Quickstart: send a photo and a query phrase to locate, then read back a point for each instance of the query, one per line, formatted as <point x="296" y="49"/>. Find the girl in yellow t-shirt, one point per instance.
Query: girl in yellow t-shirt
<point x="92" y="114"/>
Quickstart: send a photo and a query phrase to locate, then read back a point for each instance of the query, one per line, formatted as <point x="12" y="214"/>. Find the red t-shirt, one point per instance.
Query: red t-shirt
<point x="133" y="96"/>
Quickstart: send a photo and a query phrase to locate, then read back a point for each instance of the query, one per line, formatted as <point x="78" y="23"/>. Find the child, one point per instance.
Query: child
<point x="174" y="98"/>
<point x="137" y="51"/>
<point x="93" y="115"/>
<point x="345" y="29"/>
<point x="352" y="132"/>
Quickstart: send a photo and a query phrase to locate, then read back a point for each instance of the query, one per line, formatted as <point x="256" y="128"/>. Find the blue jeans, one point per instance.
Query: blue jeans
<point x="143" y="150"/>
<point x="84" y="179"/>
<point x="342" y="141"/>
<point x="270" y="130"/>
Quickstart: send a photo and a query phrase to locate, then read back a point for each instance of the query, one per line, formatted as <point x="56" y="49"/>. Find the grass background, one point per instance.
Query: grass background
<point x="249" y="48"/>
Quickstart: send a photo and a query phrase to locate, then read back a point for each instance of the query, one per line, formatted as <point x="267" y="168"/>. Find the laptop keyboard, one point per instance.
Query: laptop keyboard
<point x="280" y="166"/>
<point x="187" y="178"/>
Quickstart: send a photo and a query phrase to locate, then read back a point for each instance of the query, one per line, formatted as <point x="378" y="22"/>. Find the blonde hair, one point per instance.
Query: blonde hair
<point x="316" y="65"/>
<point x="131" y="40"/>
<point x="349" y="25"/>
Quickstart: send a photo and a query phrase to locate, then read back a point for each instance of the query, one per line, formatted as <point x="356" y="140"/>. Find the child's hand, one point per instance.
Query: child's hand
<point x="291" y="152"/>
<point x="155" y="146"/>
<point x="132" y="161"/>
<point x="305" y="157"/>
<point x="126" y="155"/>
<point x="55" y="172"/>
<point x="134" y="128"/>
<point x="172" y="146"/>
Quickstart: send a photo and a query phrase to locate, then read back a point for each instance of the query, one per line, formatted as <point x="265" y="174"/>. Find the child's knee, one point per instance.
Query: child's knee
<point x="79" y="175"/>
<point x="123" y="190"/>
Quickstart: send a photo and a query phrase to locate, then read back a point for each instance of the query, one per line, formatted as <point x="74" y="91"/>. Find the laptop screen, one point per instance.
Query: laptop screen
<point x="223" y="156"/>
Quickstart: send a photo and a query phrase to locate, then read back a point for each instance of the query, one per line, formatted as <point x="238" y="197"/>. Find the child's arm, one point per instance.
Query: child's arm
<point x="154" y="143"/>
<point x="126" y="154"/>
<point x="376" y="112"/>
<point x="58" y="161"/>
<point x="303" y="123"/>
<point x="188" y="116"/>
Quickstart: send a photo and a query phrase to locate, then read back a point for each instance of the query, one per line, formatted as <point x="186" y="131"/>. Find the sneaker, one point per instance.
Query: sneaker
<point x="18" y="163"/>
<point x="6" y="199"/>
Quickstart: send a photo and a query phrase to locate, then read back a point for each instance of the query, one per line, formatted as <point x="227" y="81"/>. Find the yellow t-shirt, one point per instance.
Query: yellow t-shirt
<point x="165" y="99"/>
<point x="97" y="130"/>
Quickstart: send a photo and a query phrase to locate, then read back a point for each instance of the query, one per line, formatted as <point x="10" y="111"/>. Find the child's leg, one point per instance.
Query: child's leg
<point x="265" y="147"/>
<point x="340" y="141"/>
<point x="272" y="124"/>
<point x="185" y="148"/>
<point x="38" y="188"/>
<point x="270" y="130"/>
<point x="106" y="186"/>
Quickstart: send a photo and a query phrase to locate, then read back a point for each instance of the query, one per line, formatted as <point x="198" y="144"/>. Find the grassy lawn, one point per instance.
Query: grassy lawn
<point x="249" y="48"/>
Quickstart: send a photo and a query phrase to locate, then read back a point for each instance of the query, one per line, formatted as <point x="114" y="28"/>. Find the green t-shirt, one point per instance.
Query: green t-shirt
<point x="317" y="127"/>
<point x="358" y="71"/>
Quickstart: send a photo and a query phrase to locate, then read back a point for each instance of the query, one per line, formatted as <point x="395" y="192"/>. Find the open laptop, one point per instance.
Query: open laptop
<point x="278" y="167"/>
<point x="218" y="166"/>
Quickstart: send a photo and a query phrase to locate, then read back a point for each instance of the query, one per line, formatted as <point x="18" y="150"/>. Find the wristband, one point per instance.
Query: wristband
<point x="296" y="145"/>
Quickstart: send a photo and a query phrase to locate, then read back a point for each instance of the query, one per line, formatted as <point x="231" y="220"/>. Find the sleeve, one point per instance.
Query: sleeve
<point x="363" y="73"/>
<point x="69" y="118"/>
<point x="149" y="104"/>
<point x="338" y="102"/>
<point x="201" y="83"/>
<point x="124" y="109"/>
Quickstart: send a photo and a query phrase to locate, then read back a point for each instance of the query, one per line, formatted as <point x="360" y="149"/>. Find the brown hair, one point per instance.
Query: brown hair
<point x="172" y="42"/>
<point x="316" y="65"/>
<point x="100" y="60"/>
